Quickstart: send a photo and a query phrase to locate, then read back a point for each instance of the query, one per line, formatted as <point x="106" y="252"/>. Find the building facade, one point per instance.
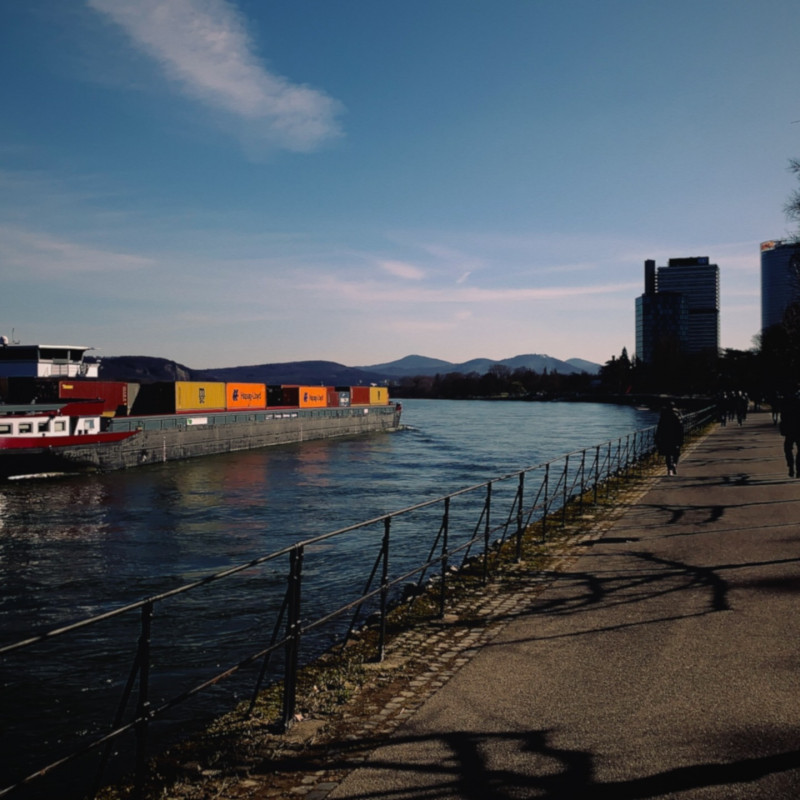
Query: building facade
<point x="780" y="280"/>
<point x="679" y="310"/>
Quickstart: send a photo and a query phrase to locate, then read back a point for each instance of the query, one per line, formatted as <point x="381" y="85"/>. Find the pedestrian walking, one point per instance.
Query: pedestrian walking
<point x="669" y="437"/>
<point x="790" y="430"/>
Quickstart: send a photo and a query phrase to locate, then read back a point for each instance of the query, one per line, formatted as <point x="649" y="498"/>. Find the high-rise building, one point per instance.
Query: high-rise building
<point x="780" y="279"/>
<point x="679" y="310"/>
<point x="662" y="326"/>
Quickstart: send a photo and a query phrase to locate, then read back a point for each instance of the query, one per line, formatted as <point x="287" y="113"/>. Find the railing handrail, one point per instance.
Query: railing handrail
<point x="138" y="604"/>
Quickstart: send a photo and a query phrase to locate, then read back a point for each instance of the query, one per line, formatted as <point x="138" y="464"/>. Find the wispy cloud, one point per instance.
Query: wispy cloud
<point x="401" y="269"/>
<point x="41" y="255"/>
<point x="372" y="292"/>
<point x="204" y="47"/>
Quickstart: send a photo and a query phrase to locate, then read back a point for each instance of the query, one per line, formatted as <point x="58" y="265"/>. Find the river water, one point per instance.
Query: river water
<point x="78" y="546"/>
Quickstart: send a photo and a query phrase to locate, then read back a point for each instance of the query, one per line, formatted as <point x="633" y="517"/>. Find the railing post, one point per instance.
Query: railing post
<point x="143" y="702"/>
<point x="487" y="532"/>
<point x="384" y="588"/>
<point x="564" y="492"/>
<point x="583" y="480"/>
<point x="292" y="635"/>
<point x="520" y="515"/>
<point x="445" y="528"/>
<point x="546" y="501"/>
<point x="596" y="472"/>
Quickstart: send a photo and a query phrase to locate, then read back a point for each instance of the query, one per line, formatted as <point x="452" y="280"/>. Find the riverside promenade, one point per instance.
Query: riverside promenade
<point x="662" y="662"/>
<point x="659" y="658"/>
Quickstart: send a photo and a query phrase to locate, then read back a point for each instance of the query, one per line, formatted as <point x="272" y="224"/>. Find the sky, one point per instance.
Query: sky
<point x="233" y="182"/>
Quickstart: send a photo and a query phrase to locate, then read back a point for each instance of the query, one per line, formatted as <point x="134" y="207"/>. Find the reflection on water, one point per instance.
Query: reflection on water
<point x="77" y="546"/>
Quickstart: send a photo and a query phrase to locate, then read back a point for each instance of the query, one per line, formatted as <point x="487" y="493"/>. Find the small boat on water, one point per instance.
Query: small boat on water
<point x="57" y="417"/>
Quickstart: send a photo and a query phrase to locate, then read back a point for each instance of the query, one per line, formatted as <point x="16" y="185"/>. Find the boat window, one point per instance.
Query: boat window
<point x="89" y="424"/>
<point x="60" y="425"/>
<point x="4" y="429"/>
<point x="43" y="427"/>
<point x="26" y="427"/>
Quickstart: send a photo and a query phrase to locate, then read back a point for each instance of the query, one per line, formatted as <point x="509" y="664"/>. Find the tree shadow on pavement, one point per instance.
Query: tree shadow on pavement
<point x="464" y="765"/>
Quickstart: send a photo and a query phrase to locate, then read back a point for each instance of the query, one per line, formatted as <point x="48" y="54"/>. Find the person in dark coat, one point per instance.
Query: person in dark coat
<point x="790" y="430"/>
<point x="669" y="437"/>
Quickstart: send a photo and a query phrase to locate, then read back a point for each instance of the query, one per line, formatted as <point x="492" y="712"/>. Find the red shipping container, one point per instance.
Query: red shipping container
<point x="114" y="394"/>
<point x="359" y="395"/>
<point x="333" y="397"/>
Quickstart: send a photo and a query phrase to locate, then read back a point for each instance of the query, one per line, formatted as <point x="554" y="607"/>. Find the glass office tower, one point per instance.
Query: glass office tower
<point x="780" y="279"/>
<point x="679" y="309"/>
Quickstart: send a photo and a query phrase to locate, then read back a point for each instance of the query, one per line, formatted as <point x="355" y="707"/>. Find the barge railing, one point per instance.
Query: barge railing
<point x="499" y="511"/>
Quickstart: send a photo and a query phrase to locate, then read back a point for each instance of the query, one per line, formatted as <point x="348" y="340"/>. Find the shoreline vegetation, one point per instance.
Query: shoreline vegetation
<point x="340" y="692"/>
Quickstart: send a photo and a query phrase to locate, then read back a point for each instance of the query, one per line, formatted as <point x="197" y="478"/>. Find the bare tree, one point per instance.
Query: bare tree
<point x="792" y="207"/>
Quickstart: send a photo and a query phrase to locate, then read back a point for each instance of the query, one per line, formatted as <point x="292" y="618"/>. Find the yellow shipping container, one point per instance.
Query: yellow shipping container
<point x="246" y="395"/>
<point x="313" y="396"/>
<point x="378" y="396"/>
<point x="199" y="396"/>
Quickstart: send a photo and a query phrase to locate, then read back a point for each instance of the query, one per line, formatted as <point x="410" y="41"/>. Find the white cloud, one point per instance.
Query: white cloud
<point x="204" y="46"/>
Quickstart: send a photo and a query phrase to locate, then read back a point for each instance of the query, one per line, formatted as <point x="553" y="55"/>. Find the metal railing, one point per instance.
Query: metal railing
<point x="481" y="517"/>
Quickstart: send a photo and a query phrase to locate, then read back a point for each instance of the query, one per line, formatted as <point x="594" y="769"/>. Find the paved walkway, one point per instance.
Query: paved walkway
<point x="664" y="662"/>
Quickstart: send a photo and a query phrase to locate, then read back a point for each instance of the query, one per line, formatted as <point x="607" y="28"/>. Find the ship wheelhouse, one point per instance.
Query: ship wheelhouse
<point x="44" y="361"/>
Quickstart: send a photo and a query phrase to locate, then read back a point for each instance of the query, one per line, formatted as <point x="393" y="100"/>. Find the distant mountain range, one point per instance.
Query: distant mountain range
<point x="422" y="365"/>
<point x="149" y="368"/>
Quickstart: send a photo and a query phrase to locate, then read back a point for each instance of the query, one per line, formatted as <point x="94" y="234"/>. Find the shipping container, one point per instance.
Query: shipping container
<point x="359" y="395"/>
<point x="313" y="396"/>
<point x="378" y="396"/>
<point x="333" y="397"/>
<point x="290" y="396"/>
<point x="274" y="396"/>
<point x="167" y="397"/>
<point x="245" y="395"/>
<point x="344" y="397"/>
<point x="116" y="395"/>
<point x="199" y="396"/>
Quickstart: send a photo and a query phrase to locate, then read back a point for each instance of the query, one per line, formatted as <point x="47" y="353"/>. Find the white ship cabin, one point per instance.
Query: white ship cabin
<point x="37" y="426"/>
<point x="44" y="361"/>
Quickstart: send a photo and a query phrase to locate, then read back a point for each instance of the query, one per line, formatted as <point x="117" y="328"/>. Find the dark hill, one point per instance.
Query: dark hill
<point x="148" y="369"/>
<point x="313" y="373"/>
<point x="143" y="369"/>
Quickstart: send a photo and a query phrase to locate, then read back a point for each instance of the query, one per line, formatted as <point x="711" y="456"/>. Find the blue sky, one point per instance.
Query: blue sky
<point x="227" y="182"/>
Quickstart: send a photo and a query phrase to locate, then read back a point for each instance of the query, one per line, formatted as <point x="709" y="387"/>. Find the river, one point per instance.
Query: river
<point x="82" y="545"/>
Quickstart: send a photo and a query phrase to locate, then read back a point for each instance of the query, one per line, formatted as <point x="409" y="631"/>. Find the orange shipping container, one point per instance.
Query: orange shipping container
<point x="199" y="396"/>
<point x="313" y="396"/>
<point x="246" y="395"/>
<point x="378" y="396"/>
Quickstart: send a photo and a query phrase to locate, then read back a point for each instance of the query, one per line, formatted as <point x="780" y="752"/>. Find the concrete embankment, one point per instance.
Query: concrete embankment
<point x="660" y="659"/>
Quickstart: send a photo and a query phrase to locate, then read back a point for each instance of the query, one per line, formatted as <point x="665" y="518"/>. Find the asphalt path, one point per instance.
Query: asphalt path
<point x="663" y="663"/>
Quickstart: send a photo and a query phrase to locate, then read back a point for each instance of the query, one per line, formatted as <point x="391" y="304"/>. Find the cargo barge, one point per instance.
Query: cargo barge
<point x="56" y="417"/>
